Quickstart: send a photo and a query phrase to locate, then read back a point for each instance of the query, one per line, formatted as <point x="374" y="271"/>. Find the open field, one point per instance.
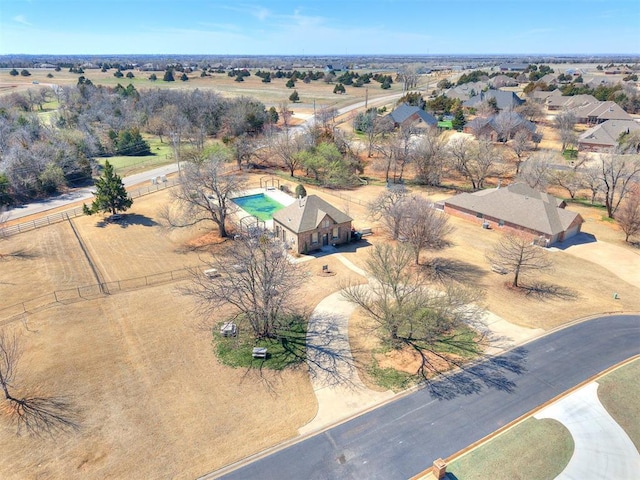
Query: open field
<point x="540" y="449"/>
<point x="271" y="94"/>
<point x="162" y="154"/>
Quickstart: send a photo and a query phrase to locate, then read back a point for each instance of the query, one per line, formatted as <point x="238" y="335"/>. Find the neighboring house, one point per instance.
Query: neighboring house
<point x="520" y="208"/>
<point x="604" y="136"/>
<point x="500" y="127"/>
<point x="513" y="67"/>
<point x="558" y="102"/>
<point x="598" y="112"/>
<point x="504" y="100"/>
<point x="466" y="90"/>
<point x="541" y="96"/>
<point x="310" y="223"/>
<point x="500" y="81"/>
<point x="407" y="115"/>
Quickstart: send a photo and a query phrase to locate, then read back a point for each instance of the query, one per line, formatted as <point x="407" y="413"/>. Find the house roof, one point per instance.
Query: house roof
<point x="606" y="134"/>
<point x="404" y="111"/>
<point x="516" y="122"/>
<point x="465" y="91"/>
<point x="520" y="205"/>
<point x="602" y="111"/>
<point x="305" y="214"/>
<point x="504" y="100"/>
<point x="568" y="101"/>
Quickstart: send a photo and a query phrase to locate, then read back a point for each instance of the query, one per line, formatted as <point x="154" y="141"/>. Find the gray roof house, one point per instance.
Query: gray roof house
<point x="518" y="207"/>
<point x="497" y="129"/>
<point x="556" y="102"/>
<point x="598" y="112"/>
<point x="466" y="90"/>
<point x="604" y="136"/>
<point x="504" y="100"/>
<point x="405" y="115"/>
<point x="310" y="223"/>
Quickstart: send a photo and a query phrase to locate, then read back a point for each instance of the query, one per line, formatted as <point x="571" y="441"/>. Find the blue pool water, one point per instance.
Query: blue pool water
<point x="258" y="205"/>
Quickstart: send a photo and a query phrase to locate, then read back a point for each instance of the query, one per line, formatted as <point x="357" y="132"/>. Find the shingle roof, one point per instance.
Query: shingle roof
<point x="518" y="204"/>
<point x="404" y="111"/>
<point x="607" y="133"/>
<point x="305" y="214"/>
<point x="603" y="111"/>
<point x="517" y="121"/>
<point x="504" y="99"/>
<point x="570" y="101"/>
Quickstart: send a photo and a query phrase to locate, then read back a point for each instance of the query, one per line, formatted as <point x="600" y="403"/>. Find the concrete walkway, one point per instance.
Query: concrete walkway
<point x="602" y="447"/>
<point x="338" y="388"/>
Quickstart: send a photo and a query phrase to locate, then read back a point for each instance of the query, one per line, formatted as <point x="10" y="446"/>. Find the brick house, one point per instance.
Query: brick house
<point x="310" y="223"/>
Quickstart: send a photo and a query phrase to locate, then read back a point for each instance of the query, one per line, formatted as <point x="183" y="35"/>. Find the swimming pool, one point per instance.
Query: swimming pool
<point x="259" y="205"/>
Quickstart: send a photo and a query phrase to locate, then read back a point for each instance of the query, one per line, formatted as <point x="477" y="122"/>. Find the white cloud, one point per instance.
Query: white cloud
<point x="22" y="20"/>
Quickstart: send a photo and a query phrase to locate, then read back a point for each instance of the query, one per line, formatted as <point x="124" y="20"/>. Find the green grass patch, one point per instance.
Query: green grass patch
<point x="288" y="350"/>
<point x="534" y="449"/>
<point x="390" y="378"/>
<point x="585" y="202"/>
<point x="619" y="392"/>
<point x="162" y="154"/>
<point x="446" y="124"/>
<point x="570" y="154"/>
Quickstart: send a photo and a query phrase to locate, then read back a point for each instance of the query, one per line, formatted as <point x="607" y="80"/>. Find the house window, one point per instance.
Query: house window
<point x="336" y="232"/>
<point x="326" y="223"/>
<point x="479" y="215"/>
<point x="314" y="237"/>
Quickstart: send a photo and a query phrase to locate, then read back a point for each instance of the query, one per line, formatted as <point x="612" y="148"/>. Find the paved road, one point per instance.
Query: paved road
<point x="84" y="193"/>
<point x="402" y="438"/>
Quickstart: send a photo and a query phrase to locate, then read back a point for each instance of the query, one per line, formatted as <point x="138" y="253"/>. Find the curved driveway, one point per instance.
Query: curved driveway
<point x="402" y="438"/>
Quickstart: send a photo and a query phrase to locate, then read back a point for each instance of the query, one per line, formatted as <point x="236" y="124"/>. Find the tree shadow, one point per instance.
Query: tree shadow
<point x="490" y="372"/>
<point x="22" y="254"/>
<point x="548" y="291"/>
<point x="43" y="416"/>
<point x="444" y="270"/>
<point x="328" y="352"/>
<point x="127" y="220"/>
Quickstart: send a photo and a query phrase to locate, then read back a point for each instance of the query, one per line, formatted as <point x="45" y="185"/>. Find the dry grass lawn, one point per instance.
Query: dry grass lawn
<point x="139" y="365"/>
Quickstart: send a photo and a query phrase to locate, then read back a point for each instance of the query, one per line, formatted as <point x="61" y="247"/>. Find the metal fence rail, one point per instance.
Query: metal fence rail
<point x="75" y="212"/>
<point x="14" y="312"/>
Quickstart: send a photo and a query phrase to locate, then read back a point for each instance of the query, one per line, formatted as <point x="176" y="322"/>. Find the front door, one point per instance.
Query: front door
<point x="325" y="239"/>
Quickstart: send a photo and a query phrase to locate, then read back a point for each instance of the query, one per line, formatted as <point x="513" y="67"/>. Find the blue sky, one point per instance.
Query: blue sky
<point x="319" y="27"/>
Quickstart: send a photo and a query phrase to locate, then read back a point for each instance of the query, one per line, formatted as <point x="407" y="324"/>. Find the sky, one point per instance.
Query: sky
<point x="319" y="27"/>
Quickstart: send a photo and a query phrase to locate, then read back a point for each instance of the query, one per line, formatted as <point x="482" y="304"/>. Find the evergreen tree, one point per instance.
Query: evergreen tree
<point x="168" y="76"/>
<point x="301" y="192"/>
<point x="14" y="72"/>
<point x="294" y="97"/>
<point x="458" y="120"/>
<point x="339" y="88"/>
<point x="153" y="77"/>
<point x="290" y="83"/>
<point x="184" y="77"/>
<point x="110" y="195"/>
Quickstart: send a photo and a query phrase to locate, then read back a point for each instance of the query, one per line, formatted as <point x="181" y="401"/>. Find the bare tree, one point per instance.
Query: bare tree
<point x="474" y="162"/>
<point x="535" y="171"/>
<point x="628" y="216"/>
<point x="592" y="180"/>
<point x="565" y="122"/>
<point x="406" y="312"/>
<point x="373" y="126"/>
<point x="390" y="208"/>
<point x="506" y="122"/>
<point x="517" y="253"/>
<point x="571" y="180"/>
<point x="396" y="151"/>
<point x="409" y="76"/>
<point x="34" y="414"/>
<point x="205" y="192"/>
<point x="429" y="157"/>
<point x="521" y="146"/>
<point x="257" y="279"/>
<point x="286" y="146"/>
<point x="423" y="226"/>
<point x="532" y="111"/>
<point x="618" y="173"/>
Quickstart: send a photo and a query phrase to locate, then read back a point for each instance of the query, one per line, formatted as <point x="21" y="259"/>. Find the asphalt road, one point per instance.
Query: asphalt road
<point x="402" y="438"/>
